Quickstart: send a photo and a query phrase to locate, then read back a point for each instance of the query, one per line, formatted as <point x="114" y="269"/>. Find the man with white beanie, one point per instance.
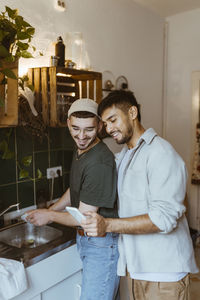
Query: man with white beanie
<point x="93" y="186"/>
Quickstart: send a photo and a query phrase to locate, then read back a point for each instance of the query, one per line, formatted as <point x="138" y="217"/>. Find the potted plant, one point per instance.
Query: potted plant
<point x="15" y="41"/>
<point x="15" y="38"/>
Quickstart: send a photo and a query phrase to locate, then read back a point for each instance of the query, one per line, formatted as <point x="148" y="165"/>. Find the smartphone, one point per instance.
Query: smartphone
<point x="75" y="213"/>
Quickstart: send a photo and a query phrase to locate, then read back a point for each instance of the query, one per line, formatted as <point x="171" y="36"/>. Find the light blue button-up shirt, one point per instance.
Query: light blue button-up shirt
<point x="154" y="183"/>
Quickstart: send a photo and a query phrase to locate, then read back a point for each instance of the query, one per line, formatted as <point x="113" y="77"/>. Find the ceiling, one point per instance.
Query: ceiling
<point x="167" y="8"/>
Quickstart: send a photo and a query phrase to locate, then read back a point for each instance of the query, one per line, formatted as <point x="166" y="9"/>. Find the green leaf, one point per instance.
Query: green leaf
<point x="39" y="173"/>
<point x="26" y="24"/>
<point x="12" y="13"/>
<point x="22" y="35"/>
<point x="3" y="51"/>
<point x="34" y="48"/>
<point x="10" y="58"/>
<point x="27" y="160"/>
<point x="23" y="174"/>
<point x="30" y="31"/>
<point x="8" y="154"/>
<point x="19" y="21"/>
<point x="41" y="54"/>
<point x="9" y="73"/>
<point x="26" y="54"/>
<point x="22" y="46"/>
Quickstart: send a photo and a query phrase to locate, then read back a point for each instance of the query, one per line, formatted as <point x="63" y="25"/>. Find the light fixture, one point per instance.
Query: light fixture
<point x="59" y="5"/>
<point x="121" y="83"/>
<point x="63" y="74"/>
<point x="108" y="81"/>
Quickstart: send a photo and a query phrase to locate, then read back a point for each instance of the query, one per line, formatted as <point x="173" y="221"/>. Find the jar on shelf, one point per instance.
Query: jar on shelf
<point x="63" y="104"/>
<point x="54" y="61"/>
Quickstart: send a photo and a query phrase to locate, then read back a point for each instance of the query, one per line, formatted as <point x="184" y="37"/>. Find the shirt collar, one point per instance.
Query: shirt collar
<point x="147" y="136"/>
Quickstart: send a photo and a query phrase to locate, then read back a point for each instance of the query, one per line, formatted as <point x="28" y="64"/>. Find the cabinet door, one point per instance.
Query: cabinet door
<point x="68" y="289"/>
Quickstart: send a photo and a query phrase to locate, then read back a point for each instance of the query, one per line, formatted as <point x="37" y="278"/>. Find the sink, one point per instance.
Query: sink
<point x="28" y="235"/>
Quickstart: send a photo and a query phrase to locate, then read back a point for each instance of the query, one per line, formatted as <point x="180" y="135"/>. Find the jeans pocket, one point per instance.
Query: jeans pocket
<point x="100" y="242"/>
<point x="103" y="242"/>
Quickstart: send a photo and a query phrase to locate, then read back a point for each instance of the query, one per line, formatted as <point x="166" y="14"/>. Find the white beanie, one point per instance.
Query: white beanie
<point x="83" y="104"/>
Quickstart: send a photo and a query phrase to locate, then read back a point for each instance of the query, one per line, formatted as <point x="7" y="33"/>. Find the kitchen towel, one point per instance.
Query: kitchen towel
<point x="13" y="279"/>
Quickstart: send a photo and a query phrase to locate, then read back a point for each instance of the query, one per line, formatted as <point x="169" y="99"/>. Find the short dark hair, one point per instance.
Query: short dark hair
<point x="121" y="99"/>
<point x="83" y="114"/>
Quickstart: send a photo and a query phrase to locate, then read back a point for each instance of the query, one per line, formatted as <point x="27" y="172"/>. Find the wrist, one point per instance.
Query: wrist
<point x="52" y="215"/>
<point x="50" y="208"/>
<point x="108" y="225"/>
<point x="53" y="207"/>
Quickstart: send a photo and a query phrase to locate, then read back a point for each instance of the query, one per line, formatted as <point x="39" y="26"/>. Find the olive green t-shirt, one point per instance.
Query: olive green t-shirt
<point x="93" y="180"/>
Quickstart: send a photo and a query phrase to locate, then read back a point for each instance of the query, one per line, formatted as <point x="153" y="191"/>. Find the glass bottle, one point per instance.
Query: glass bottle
<point x="60" y="52"/>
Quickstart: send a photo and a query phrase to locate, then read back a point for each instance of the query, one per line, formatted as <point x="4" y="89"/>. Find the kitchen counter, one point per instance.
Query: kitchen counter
<point x="30" y="256"/>
<point x="53" y="270"/>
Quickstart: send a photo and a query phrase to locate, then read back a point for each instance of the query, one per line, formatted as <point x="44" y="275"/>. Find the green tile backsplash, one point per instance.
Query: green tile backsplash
<point x="56" y="149"/>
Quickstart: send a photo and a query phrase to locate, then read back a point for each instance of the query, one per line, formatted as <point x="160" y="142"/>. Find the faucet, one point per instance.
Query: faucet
<point x="8" y="208"/>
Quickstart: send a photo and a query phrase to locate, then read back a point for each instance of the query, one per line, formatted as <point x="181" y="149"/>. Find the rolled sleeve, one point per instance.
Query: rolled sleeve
<point x="167" y="182"/>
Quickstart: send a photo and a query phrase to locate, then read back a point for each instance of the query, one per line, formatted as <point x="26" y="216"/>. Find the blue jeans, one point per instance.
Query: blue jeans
<point x="99" y="256"/>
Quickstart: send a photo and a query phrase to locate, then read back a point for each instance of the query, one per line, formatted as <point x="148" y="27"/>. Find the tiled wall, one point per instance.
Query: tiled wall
<point x="56" y="149"/>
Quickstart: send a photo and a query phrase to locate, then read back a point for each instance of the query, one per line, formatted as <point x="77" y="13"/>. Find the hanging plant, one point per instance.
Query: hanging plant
<point x="15" y="38"/>
<point x="15" y="42"/>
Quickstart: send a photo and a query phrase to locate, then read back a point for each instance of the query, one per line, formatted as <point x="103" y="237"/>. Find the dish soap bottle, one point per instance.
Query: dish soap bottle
<point x="60" y="51"/>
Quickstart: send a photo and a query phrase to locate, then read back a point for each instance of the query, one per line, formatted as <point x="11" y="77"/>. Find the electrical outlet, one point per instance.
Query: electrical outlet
<point x="53" y="172"/>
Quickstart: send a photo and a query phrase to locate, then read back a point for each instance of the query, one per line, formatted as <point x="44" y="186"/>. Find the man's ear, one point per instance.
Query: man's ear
<point x="68" y="123"/>
<point x="133" y="112"/>
<point x="100" y="126"/>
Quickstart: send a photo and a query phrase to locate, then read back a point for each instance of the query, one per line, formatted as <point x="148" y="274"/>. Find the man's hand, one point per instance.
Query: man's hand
<point x="39" y="217"/>
<point x="94" y="225"/>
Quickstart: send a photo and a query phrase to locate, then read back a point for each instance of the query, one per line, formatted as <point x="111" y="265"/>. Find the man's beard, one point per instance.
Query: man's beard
<point x="127" y="137"/>
<point x="87" y="146"/>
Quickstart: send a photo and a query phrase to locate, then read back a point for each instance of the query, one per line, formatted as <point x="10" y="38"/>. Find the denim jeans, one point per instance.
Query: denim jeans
<point x="99" y="256"/>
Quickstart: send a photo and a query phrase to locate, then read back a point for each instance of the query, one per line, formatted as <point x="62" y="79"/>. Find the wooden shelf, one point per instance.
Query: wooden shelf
<point x="57" y="87"/>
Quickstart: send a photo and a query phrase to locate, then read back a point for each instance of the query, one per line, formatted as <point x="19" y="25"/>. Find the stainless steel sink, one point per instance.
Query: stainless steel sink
<point x="29" y="236"/>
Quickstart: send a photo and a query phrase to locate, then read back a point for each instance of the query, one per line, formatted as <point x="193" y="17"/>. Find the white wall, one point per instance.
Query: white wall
<point x="120" y="36"/>
<point x="183" y="59"/>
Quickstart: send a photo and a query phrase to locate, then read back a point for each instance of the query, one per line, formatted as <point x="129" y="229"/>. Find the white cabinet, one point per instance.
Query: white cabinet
<point x="56" y="277"/>
<point x="67" y="289"/>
